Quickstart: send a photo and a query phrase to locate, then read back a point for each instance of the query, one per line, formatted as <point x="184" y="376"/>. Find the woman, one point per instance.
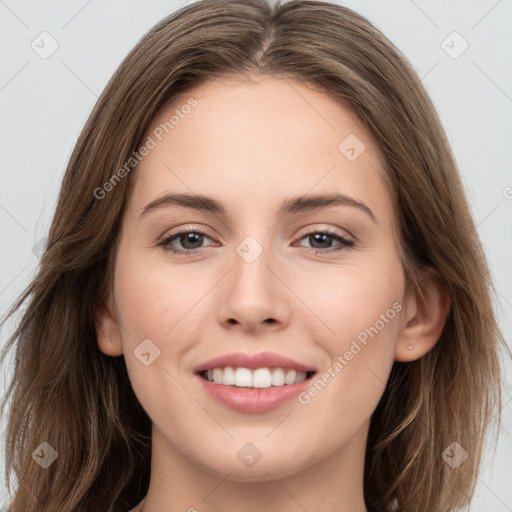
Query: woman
<point x="256" y="367"/>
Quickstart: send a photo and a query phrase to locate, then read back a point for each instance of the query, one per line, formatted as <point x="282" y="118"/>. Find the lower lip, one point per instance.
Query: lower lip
<point x="253" y="400"/>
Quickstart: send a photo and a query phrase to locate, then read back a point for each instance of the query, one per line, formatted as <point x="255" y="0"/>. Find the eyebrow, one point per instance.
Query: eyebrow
<point x="293" y="205"/>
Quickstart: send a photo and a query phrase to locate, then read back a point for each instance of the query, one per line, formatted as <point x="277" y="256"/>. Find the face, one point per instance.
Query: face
<point x="282" y="261"/>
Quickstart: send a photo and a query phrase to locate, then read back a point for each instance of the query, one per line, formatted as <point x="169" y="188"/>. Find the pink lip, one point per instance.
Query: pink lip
<point x="253" y="361"/>
<point x="253" y="400"/>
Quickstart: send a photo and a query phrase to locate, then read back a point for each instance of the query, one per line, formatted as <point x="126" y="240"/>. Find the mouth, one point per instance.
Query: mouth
<point x="259" y="378"/>
<point x="253" y="383"/>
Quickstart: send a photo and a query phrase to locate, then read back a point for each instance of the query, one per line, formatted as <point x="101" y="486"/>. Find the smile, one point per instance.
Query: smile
<point x="253" y="383"/>
<point x="259" y="378"/>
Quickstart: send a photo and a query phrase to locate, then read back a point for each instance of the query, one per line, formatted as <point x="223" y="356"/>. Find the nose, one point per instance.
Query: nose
<point x="254" y="296"/>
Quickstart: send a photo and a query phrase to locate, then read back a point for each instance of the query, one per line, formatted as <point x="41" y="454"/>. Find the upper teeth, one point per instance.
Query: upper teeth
<point x="260" y="378"/>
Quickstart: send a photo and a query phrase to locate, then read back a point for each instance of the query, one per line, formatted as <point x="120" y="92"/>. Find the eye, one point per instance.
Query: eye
<point x="320" y="238"/>
<point x="191" y="240"/>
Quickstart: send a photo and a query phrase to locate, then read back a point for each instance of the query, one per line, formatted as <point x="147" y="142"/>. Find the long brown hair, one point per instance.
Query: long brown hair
<point x="67" y="393"/>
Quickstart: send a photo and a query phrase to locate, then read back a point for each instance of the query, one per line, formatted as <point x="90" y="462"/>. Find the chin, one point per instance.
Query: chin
<point x="264" y="470"/>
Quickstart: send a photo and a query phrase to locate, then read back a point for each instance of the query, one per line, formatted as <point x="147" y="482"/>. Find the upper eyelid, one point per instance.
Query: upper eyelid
<point x="315" y="228"/>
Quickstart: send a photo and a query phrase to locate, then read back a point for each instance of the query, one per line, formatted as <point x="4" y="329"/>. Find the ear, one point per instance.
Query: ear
<point x="426" y="311"/>
<point x="107" y="331"/>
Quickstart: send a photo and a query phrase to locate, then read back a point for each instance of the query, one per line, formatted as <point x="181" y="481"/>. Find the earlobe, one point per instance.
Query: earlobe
<point x="108" y="333"/>
<point x="426" y="312"/>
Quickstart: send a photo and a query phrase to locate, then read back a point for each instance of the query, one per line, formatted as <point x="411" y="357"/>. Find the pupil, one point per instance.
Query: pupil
<point x="192" y="238"/>
<point x="317" y="238"/>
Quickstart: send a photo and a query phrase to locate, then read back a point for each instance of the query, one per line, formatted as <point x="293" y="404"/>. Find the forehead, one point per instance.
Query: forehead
<point x="248" y="142"/>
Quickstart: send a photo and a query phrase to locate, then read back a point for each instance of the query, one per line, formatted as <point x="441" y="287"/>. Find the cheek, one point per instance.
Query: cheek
<point x="152" y="297"/>
<point x="152" y="310"/>
<point x="362" y="306"/>
<point x="350" y="299"/>
<point x="162" y="303"/>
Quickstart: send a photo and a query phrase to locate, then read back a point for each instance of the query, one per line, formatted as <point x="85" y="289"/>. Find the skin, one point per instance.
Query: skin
<point x="251" y="145"/>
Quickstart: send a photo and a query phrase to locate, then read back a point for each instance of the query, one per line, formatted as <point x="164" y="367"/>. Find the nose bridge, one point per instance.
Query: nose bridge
<point x="253" y="293"/>
<point x="252" y="278"/>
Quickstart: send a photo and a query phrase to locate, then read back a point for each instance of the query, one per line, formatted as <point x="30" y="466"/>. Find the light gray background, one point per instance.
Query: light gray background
<point x="45" y="102"/>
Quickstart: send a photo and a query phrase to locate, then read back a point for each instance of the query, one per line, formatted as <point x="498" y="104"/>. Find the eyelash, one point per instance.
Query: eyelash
<point x="344" y="242"/>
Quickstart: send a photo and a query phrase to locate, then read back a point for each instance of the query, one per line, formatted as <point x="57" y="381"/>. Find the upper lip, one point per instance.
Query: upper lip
<point x="253" y="361"/>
